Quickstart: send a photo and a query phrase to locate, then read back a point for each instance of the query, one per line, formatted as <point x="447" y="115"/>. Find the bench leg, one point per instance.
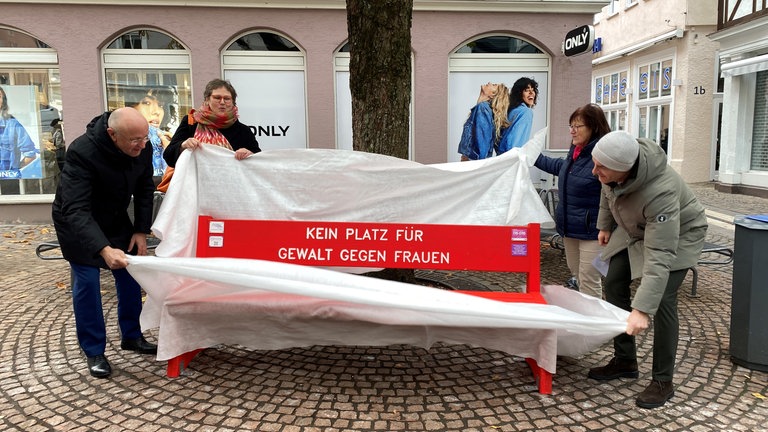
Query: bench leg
<point x="695" y="281"/>
<point x="543" y="377"/>
<point x="177" y="364"/>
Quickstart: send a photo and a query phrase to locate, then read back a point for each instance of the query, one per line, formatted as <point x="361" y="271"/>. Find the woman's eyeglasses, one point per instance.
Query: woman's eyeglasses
<point x="575" y="127"/>
<point x="225" y="99"/>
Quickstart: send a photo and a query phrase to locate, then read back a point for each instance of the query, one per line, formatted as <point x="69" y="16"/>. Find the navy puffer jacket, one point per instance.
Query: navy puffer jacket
<point x="578" y="192"/>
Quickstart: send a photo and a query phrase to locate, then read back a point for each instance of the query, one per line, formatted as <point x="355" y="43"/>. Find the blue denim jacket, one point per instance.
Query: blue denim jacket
<point x="477" y="137"/>
<point x="519" y="130"/>
<point x="15" y="144"/>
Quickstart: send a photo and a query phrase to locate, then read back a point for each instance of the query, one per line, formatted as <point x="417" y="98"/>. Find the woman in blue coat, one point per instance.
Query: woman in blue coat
<point x="579" y="196"/>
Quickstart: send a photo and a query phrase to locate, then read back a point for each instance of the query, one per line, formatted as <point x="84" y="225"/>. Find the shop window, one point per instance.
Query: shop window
<point x="499" y="45"/>
<point x="654" y="101"/>
<point x="268" y="72"/>
<point x="498" y="59"/>
<point x="611" y="94"/>
<point x="654" y="124"/>
<point x="30" y="107"/>
<point x="655" y="80"/>
<point x="150" y="71"/>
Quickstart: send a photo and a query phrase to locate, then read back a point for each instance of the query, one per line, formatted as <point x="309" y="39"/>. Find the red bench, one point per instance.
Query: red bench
<point x="381" y="245"/>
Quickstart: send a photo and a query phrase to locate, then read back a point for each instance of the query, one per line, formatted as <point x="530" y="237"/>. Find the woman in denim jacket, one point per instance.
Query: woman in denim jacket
<point x="522" y="99"/>
<point x="487" y="119"/>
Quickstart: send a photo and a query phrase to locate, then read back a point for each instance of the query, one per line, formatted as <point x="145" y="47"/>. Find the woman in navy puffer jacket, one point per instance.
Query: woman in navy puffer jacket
<point x="579" y="196"/>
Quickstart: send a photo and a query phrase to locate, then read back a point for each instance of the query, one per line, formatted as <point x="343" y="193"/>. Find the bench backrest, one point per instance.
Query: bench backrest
<point x="376" y="245"/>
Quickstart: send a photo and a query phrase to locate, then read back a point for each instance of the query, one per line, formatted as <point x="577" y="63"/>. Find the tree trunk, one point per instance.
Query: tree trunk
<point x="380" y="74"/>
<point x="380" y="83"/>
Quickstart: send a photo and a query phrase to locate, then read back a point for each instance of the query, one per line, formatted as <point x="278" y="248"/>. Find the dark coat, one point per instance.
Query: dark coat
<point x="238" y="135"/>
<point x="90" y="210"/>
<point x="578" y="193"/>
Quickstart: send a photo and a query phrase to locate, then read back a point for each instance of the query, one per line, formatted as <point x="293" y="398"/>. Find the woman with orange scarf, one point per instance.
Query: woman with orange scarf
<point x="214" y="123"/>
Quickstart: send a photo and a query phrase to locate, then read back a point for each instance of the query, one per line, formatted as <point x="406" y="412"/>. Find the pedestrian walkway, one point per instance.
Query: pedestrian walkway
<point x="44" y="384"/>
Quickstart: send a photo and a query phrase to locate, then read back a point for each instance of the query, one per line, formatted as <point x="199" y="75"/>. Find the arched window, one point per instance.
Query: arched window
<point x="493" y="58"/>
<point x="499" y="45"/>
<point x="344" y="102"/>
<point x="30" y="104"/>
<point x="268" y="72"/>
<point x="149" y="70"/>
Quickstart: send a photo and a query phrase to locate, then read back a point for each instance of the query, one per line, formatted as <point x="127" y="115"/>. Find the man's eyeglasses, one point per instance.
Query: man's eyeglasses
<point x="137" y="141"/>
<point x="575" y="127"/>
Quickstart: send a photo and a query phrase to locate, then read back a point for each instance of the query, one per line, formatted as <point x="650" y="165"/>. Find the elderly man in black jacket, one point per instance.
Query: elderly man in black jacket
<point x="104" y="168"/>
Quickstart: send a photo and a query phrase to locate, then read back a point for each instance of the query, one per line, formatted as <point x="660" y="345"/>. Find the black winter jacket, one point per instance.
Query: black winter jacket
<point x="578" y="193"/>
<point x="90" y="210"/>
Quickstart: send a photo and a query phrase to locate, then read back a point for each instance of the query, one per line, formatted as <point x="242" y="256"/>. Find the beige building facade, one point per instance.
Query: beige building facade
<point x="654" y="74"/>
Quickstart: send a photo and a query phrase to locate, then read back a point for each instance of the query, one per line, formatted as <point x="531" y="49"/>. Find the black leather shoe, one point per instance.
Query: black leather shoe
<point x="99" y="367"/>
<point x="139" y="345"/>
<point x="616" y="368"/>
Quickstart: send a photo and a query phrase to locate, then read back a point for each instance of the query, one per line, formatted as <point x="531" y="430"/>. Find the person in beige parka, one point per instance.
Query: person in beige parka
<point x="653" y="228"/>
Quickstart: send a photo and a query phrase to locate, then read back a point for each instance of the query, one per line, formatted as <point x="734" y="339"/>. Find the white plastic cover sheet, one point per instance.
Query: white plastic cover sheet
<point x="198" y="303"/>
<point x="269" y="305"/>
<point x="347" y="186"/>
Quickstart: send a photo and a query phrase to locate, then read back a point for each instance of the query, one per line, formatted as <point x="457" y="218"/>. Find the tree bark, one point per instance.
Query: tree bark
<point x="380" y="74"/>
<point x="380" y="83"/>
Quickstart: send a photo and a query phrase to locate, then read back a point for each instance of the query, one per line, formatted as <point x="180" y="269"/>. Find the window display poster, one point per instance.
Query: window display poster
<point x="159" y="104"/>
<point x="20" y="132"/>
<point x="273" y="104"/>
<point x="464" y="88"/>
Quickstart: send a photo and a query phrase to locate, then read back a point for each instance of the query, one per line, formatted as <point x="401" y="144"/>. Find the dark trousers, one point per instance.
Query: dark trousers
<point x="665" y="326"/>
<point x="89" y="315"/>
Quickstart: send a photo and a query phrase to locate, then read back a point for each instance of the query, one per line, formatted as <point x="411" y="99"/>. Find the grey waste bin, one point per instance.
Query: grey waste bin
<point x="749" y="303"/>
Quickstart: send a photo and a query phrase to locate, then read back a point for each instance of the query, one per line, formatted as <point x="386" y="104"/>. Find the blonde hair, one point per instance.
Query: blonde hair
<point x="500" y="106"/>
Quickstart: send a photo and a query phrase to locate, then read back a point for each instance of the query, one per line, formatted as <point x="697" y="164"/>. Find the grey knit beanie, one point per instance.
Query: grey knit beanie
<point x="617" y="150"/>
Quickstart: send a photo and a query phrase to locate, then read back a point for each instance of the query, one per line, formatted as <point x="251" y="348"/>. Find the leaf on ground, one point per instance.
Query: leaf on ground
<point x="758" y="395"/>
<point x="61" y="285"/>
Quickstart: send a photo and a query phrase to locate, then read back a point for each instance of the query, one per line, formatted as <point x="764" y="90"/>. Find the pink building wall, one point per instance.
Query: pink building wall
<point x="78" y="32"/>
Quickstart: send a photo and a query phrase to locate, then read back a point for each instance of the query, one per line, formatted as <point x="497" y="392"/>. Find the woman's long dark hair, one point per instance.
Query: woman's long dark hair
<point x="516" y="94"/>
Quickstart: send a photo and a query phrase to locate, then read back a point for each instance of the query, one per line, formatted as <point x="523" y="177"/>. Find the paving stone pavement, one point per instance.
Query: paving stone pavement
<point x="45" y="385"/>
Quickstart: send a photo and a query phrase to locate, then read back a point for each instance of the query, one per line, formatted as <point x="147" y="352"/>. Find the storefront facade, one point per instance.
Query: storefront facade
<point x="288" y="62"/>
<point x="743" y="65"/>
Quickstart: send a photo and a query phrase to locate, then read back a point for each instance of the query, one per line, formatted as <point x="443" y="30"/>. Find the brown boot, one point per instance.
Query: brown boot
<point x="656" y="394"/>
<point x="617" y="368"/>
